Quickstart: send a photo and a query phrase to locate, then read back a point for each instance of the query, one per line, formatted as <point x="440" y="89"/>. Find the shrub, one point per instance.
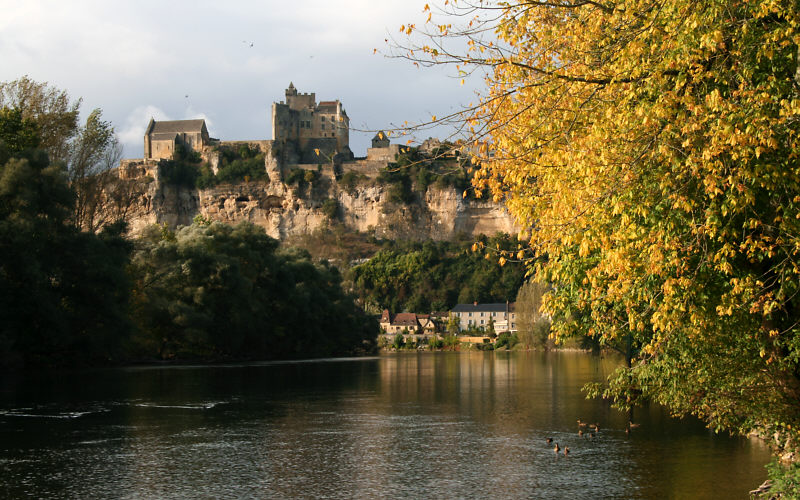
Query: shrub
<point x="330" y="208"/>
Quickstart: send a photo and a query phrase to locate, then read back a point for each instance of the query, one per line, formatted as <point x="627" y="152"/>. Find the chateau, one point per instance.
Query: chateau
<point x="305" y="135"/>
<point x="310" y="132"/>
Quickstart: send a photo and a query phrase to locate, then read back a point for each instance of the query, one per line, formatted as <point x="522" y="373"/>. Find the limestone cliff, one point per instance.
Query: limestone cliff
<point x="285" y="210"/>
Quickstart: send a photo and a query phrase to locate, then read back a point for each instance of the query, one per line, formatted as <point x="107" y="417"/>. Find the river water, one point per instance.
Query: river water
<point x="405" y="425"/>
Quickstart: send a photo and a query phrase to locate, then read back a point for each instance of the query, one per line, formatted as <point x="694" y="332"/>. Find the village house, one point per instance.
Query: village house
<point x="414" y="327"/>
<point x="501" y="316"/>
<point x="399" y="323"/>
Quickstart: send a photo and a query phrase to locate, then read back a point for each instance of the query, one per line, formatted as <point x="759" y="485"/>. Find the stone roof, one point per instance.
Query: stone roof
<point x="163" y="136"/>
<point x="178" y="126"/>
<point x="405" y="319"/>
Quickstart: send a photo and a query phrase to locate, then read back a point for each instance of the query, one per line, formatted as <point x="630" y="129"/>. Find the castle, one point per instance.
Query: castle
<point x="306" y="132"/>
<point x="311" y="132"/>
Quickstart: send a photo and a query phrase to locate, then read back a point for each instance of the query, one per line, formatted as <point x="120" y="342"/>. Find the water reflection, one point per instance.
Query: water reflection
<point x="402" y="425"/>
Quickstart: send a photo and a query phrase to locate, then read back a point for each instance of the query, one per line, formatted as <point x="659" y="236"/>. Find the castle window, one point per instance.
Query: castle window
<point x="323" y="126"/>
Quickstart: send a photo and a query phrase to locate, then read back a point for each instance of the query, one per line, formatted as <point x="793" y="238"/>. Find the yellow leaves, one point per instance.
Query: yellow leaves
<point x="502" y="261"/>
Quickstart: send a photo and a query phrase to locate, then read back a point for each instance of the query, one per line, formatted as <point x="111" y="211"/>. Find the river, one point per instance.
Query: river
<point x="404" y="425"/>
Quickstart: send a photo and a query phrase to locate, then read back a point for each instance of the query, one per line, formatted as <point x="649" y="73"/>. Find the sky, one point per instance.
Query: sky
<point x="226" y="62"/>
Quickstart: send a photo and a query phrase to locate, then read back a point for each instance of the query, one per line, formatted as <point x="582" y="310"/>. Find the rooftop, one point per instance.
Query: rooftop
<point x="176" y="126"/>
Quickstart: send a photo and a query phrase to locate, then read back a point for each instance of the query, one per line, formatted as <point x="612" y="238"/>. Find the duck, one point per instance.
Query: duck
<point x="581" y="424"/>
<point x="549" y="440"/>
<point x="557" y="448"/>
<point x="566" y="451"/>
<point x="631" y="425"/>
<point x="595" y="427"/>
<point x="580" y="432"/>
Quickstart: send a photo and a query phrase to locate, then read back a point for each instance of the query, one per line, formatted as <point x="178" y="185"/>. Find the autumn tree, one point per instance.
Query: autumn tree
<point x="533" y="327"/>
<point x="649" y="150"/>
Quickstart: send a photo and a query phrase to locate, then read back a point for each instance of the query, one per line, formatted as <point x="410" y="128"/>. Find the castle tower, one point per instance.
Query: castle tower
<point x="317" y="131"/>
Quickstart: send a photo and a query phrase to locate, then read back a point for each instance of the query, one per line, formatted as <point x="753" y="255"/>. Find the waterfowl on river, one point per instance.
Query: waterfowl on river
<point x="581" y="424"/>
<point x="549" y="440"/>
<point x="557" y="448"/>
<point x="631" y="425"/>
<point x="580" y="432"/>
<point x="566" y="451"/>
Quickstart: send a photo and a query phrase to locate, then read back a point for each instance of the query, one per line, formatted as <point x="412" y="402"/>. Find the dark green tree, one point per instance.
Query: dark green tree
<point x="217" y="291"/>
<point x="64" y="292"/>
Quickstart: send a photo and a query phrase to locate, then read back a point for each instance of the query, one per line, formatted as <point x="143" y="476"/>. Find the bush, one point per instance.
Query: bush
<point x="506" y="340"/>
<point x="179" y="173"/>
<point x="330" y="208"/>
<point x="242" y="164"/>
<point x="450" y="341"/>
<point x="785" y="479"/>
<point x="350" y="180"/>
<point x="398" y="343"/>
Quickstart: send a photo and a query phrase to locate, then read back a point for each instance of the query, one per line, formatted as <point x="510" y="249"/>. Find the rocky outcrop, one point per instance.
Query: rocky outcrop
<point x="285" y="210"/>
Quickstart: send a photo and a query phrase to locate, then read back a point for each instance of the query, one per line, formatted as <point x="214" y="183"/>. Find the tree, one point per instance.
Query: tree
<point x="533" y="327"/>
<point x="64" y="292"/>
<point x="217" y="291"/>
<point x="49" y="107"/>
<point x="649" y="149"/>
<point x="453" y="325"/>
<point x="100" y="194"/>
<point x="88" y="152"/>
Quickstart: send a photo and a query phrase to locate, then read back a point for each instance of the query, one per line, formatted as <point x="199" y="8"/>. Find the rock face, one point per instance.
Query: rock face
<point x="284" y="210"/>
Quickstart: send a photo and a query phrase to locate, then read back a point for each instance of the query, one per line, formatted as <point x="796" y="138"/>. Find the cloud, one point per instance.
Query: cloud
<point x="139" y="59"/>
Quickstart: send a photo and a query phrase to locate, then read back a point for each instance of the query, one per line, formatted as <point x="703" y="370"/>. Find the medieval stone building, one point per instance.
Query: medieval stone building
<point x="310" y="132"/>
<point x="161" y="138"/>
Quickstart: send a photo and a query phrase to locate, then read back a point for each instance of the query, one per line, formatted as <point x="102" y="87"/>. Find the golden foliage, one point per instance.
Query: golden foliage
<point x="649" y="149"/>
